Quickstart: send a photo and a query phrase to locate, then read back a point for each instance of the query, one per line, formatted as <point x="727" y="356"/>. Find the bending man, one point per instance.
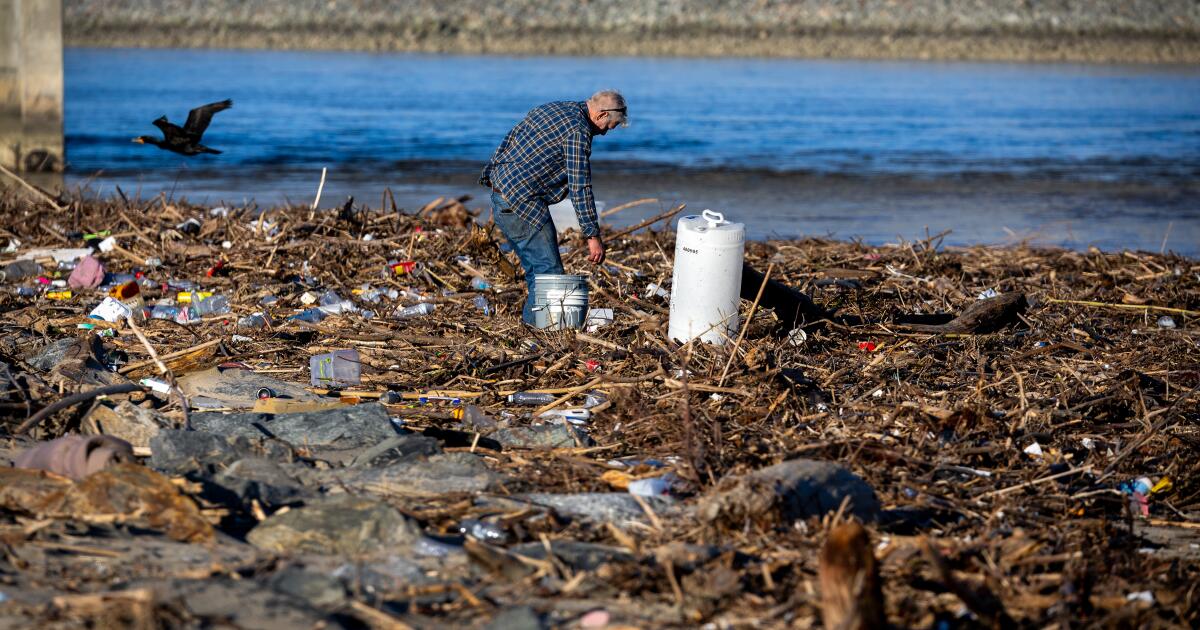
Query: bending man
<point x="543" y="159"/>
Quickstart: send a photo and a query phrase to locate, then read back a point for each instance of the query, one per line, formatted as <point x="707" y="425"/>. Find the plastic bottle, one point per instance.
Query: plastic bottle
<point x="187" y="315"/>
<point x="418" y="310"/>
<point x="594" y="399"/>
<point x="333" y="304"/>
<point x="651" y="486"/>
<point x="532" y="399"/>
<point x="482" y="304"/>
<point x="164" y="311"/>
<point x="215" y="305"/>
<point x="485" y="531"/>
<point x="309" y="315"/>
<point x="254" y="321"/>
<point x="19" y="270"/>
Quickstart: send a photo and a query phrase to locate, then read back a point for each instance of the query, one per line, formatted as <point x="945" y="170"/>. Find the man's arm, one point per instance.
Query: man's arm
<point x="577" y="152"/>
<point x="485" y="178"/>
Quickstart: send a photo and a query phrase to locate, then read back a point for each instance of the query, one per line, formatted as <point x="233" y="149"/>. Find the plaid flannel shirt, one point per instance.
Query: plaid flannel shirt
<point x="545" y="157"/>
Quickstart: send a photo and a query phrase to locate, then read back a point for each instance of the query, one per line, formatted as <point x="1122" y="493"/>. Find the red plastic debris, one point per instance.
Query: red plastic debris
<point x="592" y="365"/>
<point x="869" y="346"/>
<point x="404" y="267"/>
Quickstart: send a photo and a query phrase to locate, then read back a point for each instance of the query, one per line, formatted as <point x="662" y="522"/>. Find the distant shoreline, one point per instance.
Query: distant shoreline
<point x="1002" y="47"/>
<point x="1101" y="31"/>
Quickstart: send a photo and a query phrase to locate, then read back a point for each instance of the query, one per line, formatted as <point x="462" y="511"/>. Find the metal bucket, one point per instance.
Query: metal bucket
<point x="560" y="300"/>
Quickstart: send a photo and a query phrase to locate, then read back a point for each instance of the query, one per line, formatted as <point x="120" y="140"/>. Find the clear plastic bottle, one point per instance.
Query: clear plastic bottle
<point x="164" y="311"/>
<point x="482" y="304"/>
<point x="531" y="398"/>
<point x="253" y="321"/>
<point x="215" y="305"/>
<point x="187" y="314"/>
<point x="417" y="310"/>
<point x="309" y="315"/>
<point x="485" y="531"/>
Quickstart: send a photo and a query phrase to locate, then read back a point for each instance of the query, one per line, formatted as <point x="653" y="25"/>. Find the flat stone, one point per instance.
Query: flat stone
<point x="517" y="618"/>
<point x="237" y="389"/>
<point x="396" y="450"/>
<point x="319" y="590"/>
<point x="263" y="480"/>
<point x="52" y="354"/>
<point x="545" y="436"/>
<point x="223" y="602"/>
<point x="344" y="427"/>
<point x="425" y="476"/>
<point x="341" y="525"/>
<point x="177" y="451"/>
<point x="136" y="425"/>
<point x="791" y="490"/>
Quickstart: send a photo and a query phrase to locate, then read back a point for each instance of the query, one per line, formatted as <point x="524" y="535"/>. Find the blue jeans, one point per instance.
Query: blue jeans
<point x="537" y="249"/>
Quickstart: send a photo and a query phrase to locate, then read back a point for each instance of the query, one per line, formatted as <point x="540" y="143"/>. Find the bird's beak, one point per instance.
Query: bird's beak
<point x="139" y="141"/>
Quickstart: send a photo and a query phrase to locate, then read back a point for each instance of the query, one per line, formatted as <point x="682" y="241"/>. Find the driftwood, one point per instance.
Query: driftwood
<point x="793" y="308"/>
<point x="984" y="316"/>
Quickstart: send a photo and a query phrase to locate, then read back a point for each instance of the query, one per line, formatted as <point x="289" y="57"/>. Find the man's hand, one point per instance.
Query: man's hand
<point x="595" y="250"/>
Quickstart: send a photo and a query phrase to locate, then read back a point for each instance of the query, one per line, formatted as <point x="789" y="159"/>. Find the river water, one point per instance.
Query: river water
<point x="1069" y="155"/>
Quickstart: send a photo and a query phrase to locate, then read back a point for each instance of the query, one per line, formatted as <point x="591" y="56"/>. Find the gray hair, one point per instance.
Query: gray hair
<point x="610" y="99"/>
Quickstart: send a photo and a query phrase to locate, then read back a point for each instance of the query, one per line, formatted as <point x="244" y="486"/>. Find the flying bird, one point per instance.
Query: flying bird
<point x="185" y="140"/>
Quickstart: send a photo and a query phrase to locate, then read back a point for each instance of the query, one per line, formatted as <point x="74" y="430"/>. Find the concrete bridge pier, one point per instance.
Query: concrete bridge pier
<point x="31" y="85"/>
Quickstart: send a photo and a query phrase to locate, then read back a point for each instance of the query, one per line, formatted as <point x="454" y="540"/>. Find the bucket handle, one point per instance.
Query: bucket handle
<point x="714" y="218"/>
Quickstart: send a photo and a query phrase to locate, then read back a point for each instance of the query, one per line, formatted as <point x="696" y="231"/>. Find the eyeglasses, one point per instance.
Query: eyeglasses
<point x="622" y="112"/>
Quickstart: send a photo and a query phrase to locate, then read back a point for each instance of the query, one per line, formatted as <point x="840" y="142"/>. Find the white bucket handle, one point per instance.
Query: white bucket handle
<point x="714" y="218"/>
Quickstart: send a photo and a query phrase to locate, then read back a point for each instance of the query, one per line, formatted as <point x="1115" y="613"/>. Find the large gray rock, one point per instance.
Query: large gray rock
<point x="266" y="481"/>
<point x="342" y="525"/>
<point x="52" y="354"/>
<point x="391" y="451"/>
<point x="344" y="427"/>
<point x="177" y="451"/>
<point x="223" y="602"/>
<point x="425" y="476"/>
<point x="791" y="490"/>
<point x="543" y="436"/>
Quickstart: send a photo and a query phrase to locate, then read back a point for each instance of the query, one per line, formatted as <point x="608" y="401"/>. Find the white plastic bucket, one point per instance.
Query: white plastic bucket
<point x="707" y="284"/>
<point x="559" y="300"/>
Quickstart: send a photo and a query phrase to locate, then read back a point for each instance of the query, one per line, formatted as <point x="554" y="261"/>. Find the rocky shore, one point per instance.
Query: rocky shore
<point x="1153" y="31"/>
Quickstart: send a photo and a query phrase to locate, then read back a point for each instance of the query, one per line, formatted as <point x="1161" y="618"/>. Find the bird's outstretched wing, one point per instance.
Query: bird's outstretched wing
<point x="169" y="129"/>
<point x="198" y="119"/>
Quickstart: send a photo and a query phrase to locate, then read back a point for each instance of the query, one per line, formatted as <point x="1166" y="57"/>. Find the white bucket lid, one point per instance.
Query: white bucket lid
<point x="713" y="226"/>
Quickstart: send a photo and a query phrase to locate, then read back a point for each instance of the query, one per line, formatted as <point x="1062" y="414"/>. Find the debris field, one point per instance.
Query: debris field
<point x="1015" y="427"/>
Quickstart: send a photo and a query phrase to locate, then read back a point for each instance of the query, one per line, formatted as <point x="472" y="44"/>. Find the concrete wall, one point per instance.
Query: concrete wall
<point x="31" y="85"/>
